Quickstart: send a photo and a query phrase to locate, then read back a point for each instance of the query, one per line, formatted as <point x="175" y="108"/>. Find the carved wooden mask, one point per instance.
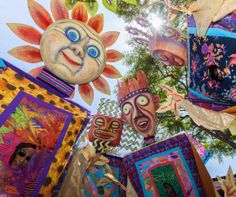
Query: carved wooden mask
<point x="106" y="128"/>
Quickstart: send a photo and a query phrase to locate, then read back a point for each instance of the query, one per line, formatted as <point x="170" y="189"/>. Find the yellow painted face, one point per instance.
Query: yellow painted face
<point x="73" y="51"/>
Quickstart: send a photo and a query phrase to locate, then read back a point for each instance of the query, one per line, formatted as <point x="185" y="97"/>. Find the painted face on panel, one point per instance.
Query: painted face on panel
<point x="139" y="112"/>
<point x="22" y="156"/>
<point x="73" y="51"/>
<point x="107" y="129"/>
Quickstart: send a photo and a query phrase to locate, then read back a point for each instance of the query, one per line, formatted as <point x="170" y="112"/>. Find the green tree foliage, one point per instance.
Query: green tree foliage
<point x="128" y="11"/>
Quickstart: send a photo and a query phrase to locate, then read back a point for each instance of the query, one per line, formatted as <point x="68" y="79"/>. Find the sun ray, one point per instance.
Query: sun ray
<point x="101" y="85"/>
<point x="111" y="72"/>
<point x="87" y="93"/>
<point x="72" y="95"/>
<point x="26" y="53"/>
<point x="26" y="32"/>
<point x="113" y="55"/>
<point x="35" y="72"/>
<point x="96" y="23"/>
<point x="109" y="38"/>
<point x="39" y="14"/>
<point x="79" y="12"/>
<point x="59" y="10"/>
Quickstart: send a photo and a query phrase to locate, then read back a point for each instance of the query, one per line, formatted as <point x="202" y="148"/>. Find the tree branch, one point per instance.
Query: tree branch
<point x="198" y="133"/>
<point x="219" y="135"/>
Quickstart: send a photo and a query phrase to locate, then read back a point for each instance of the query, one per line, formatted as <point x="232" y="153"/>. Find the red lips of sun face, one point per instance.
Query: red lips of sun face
<point x="69" y="60"/>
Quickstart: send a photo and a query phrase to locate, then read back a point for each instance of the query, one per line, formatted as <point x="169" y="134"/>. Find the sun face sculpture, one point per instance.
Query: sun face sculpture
<point x="71" y="48"/>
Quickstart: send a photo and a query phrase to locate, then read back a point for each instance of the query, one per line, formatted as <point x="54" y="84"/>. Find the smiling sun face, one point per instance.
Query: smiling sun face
<point x="72" y="49"/>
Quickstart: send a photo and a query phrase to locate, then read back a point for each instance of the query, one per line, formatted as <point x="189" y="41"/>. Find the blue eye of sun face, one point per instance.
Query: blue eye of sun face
<point x="73" y="34"/>
<point x="93" y="51"/>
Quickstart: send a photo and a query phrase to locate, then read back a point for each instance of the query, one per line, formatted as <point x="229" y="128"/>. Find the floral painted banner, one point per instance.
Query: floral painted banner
<point x="212" y="60"/>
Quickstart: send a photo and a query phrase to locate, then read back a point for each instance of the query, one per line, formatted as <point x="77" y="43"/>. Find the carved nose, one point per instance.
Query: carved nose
<point x="78" y="50"/>
<point x="137" y="113"/>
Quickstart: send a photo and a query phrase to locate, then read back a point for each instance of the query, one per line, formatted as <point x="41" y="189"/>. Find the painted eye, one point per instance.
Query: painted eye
<point x="93" y="51"/>
<point x="21" y="154"/>
<point x="115" y="125"/>
<point x="73" y="35"/>
<point x="142" y="100"/>
<point x="99" y="122"/>
<point x="126" y="108"/>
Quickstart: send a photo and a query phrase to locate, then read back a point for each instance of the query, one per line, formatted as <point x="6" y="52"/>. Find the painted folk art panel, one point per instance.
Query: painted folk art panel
<point x="31" y="133"/>
<point x="13" y="81"/>
<point x="168" y="168"/>
<point x="95" y="174"/>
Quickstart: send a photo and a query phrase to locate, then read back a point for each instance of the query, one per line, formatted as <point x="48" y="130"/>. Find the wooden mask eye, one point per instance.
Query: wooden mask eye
<point x="21" y="154"/>
<point x="99" y="122"/>
<point x="115" y="125"/>
<point x="142" y="100"/>
<point x="126" y="108"/>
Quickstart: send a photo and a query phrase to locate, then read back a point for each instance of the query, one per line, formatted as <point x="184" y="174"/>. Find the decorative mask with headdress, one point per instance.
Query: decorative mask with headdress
<point x="138" y="105"/>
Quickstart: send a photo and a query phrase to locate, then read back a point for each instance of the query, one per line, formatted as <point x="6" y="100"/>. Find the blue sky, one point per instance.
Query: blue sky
<point x="17" y="11"/>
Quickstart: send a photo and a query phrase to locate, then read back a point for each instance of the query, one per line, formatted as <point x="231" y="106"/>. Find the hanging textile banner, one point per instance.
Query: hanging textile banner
<point x="209" y="119"/>
<point x="38" y="126"/>
<point x="212" y="61"/>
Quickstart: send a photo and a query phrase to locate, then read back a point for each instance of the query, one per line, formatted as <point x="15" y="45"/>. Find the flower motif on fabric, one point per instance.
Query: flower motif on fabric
<point x="212" y="69"/>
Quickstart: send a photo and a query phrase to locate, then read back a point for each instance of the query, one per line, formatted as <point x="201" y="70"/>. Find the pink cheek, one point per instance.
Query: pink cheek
<point x="125" y="117"/>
